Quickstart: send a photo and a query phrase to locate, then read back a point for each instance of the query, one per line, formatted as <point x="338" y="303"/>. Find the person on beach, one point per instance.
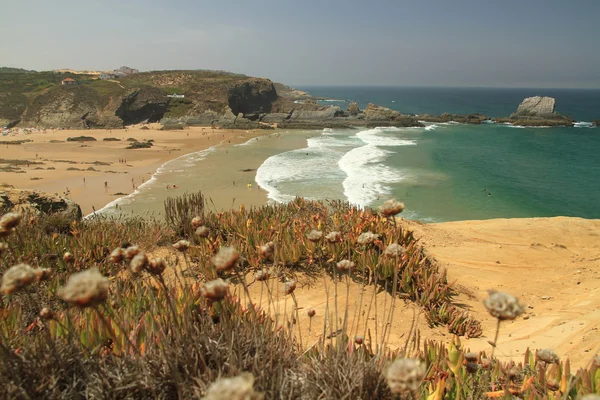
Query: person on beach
<point x="105" y="184"/>
<point x="84" y="181"/>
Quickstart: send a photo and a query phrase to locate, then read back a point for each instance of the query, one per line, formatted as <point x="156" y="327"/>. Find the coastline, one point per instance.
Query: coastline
<point x="58" y="166"/>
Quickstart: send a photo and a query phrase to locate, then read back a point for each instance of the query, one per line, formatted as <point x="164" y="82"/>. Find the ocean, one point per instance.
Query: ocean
<point x="443" y="172"/>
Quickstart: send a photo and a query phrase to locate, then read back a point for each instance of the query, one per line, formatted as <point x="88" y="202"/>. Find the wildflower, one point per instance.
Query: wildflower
<point x="117" y="255"/>
<point x="138" y="263"/>
<point x="503" y="306"/>
<point x="311" y="312"/>
<point x="156" y="266"/>
<point x="3" y="248"/>
<point x="226" y="258"/>
<point x="131" y="252"/>
<point x="182" y="245"/>
<point x="202" y="232"/>
<point x="46" y="313"/>
<point x="367" y="238"/>
<point x="266" y="251"/>
<point x="485" y="363"/>
<point x="547" y="356"/>
<point x="345" y="265"/>
<point x="10" y="221"/>
<point x="85" y="289"/>
<point x="16" y="278"/>
<point x="333" y="237"/>
<point x="405" y="375"/>
<point x="69" y="258"/>
<point x="359" y="339"/>
<point x="262" y="275"/>
<point x="314" y="236"/>
<point x="394" y="250"/>
<point x="289" y="288"/>
<point x="215" y="290"/>
<point x="471" y="356"/>
<point x="391" y="208"/>
<point x="240" y="387"/>
<point x="197" y="222"/>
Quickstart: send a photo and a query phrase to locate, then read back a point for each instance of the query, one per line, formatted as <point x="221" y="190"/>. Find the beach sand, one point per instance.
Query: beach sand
<point x="53" y="151"/>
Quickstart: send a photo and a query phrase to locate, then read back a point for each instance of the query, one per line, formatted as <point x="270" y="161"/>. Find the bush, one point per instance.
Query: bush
<point x="81" y="139"/>
<point x="111" y="139"/>
<point x="139" y="145"/>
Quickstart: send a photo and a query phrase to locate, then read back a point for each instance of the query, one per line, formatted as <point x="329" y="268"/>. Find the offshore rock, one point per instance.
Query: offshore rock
<point x="537" y="111"/>
<point x="474" y="119"/>
<point x="536" y="106"/>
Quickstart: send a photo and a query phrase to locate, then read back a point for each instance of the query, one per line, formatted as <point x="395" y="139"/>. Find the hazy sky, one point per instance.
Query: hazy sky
<point x="515" y="43"/>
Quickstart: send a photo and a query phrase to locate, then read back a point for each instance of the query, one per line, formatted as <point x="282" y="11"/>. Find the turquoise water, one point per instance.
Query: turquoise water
<point x="441" y="171"/>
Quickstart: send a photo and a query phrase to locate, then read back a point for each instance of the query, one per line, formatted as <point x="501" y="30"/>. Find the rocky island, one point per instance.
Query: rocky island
<point x="537" y="111"/>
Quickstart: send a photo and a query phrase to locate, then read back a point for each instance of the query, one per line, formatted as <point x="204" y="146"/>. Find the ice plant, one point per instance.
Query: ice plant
<point x="226" y="258"/>
<point x="203" y="232"/>
<point x="394" y="250"/>
<point x="237" y="388"/>
<point x="345" y="265"/>
<point x="85" y="289"/>
<point x="182" y="245"/>
<point x="391" y="208"/>
<point x="405" y="375"/>
<point x="547" y="356"/>
<point x="17" y="277"/>
<point x="367" y="238"/>
<point x="333" y="237"/>
<point x="215" y="290"/>
<point x="266" y="251"/>
<point x="314" y="235"/>
<point x="138" y="263"/>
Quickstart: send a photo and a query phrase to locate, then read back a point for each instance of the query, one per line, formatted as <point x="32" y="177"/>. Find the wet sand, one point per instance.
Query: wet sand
<point x="65" y="167"/>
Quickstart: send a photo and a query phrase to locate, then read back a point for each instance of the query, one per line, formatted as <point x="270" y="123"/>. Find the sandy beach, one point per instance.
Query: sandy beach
<point x="81" y="169"/>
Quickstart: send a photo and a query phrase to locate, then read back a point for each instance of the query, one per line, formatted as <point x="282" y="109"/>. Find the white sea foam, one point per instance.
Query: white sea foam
<point x="382" y="137"/>
<point x="583" y="124"/>
<point x="431" y="127"/>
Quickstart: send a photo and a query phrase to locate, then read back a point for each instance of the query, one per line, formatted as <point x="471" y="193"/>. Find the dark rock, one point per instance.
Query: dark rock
<point x="251" y="96"/>
<point x="147" y="104"/>
<point x="29" y="201"/>
<point x="460" y="118"/>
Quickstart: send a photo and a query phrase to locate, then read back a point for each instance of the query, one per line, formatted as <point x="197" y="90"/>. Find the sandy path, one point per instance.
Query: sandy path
<point x="551" y="264"/>
<point x="54" y="152"/>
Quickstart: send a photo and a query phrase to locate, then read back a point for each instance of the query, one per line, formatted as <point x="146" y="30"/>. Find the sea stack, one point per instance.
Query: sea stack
<point x="537" y="111"/>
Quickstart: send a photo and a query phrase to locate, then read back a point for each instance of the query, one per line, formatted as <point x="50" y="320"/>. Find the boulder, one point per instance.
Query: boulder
<point x="30" y="201"/>
<point x="254" y="95"/>
<point x="353" y="109"/>
<point x="324" y="113"/>
<point x="374" y="112"/>
<point x="536" y="106"/>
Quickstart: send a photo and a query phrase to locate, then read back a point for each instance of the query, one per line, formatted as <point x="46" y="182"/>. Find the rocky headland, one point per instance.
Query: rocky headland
<point x="207" y="98"/>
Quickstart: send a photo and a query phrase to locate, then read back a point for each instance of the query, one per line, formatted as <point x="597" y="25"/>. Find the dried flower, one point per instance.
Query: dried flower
<point x="471" y="356"/>
<point x="237" y="388"/>
<point x="46" y="313"/>
<point x="10" y="221"/>
<point x="394" y="250"/>
<point x="262" y="275"/>
<point x="486" y="363"/>
<point x="117" y="255"/>
<point x="182" y="245"/>
<point x="156" y="266"/>
<point x="367" y="238"/>
<point x="472" y="367"/>
<point x="405" y="375"/>
<point x="3" y="248"/>
<point x="131" y="252"/>
<point x="197" y="222"/>
<point x="333" y="237"/>
<point x="138" y="263"/>
<point x="266" y="251"/>
<point x="226" y="258"/>
<point x="547" y="356"/>
<point x="85" y="289"/>
<point x="359" y="339"/>
<point x="69" y="258"/>
<point x="345" y="265"/>
<point x="314" y="236"/>
<point x="311" y="312"/>
<point x="203" y="232"/>
<point x="391" y="208"/>
<point x="16" y="278"/>
<point x="289" y="288"/>
<point x="503" y="306"/>
<point x="42" y="274"/>
<point x="215" y="290"/>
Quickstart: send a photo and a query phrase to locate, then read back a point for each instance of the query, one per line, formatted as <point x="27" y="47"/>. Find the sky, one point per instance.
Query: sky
<point x="487" y="43"/>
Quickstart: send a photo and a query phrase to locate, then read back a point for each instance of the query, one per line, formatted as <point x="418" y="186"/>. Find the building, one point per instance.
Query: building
<point x="69" y="81"/>
<point x="127" y="70"/>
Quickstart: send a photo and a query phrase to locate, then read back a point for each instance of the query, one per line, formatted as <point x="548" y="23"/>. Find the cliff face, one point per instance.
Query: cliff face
<point x="253" y="96"/>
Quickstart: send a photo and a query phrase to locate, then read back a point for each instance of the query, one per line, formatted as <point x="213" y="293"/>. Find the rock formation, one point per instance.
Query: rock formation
<point x="474" y="119"/>
<point x="353" y="109"/>
<point x="381" y="116"/>
<point x="537" y="111"/>
<point x="29" y="201"/>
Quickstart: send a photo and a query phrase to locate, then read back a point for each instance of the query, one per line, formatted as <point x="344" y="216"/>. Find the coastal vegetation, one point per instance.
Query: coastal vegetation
<point x="136" y="308"/>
